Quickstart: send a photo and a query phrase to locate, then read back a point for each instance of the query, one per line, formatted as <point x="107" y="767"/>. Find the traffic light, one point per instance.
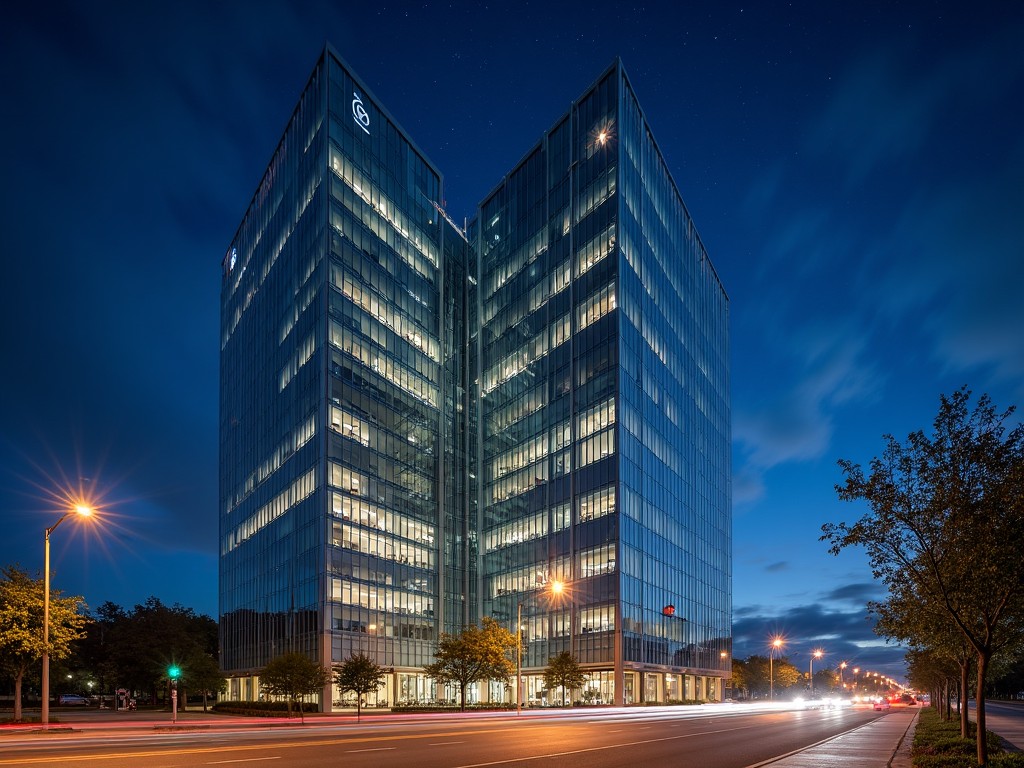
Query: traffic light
<point x="174" y="672"/>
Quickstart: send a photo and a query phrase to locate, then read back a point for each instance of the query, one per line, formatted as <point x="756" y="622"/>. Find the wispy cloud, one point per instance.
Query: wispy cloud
<point x="945" y="256"/>
<point x="795" y="424"/>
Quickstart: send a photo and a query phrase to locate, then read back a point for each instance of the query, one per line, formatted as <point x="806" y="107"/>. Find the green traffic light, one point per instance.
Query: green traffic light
<point x="174" y="672"/>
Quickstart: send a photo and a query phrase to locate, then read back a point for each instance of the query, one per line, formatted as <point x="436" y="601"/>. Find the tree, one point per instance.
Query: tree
<point x="202" y="673"/>
<point x="911" y="619"/>
<point x="293" y="675"/>
<point x="361" y="675"/>
<point x="21" y="625"/>
<point x="564" y="671"/>
<point x="135" y="648"/>
<point x="739" y="678"/>
<point x="92" y="655"/>
<point x="759" y="673"/>
<point x="476" y="653"/>
<point x="947" y="514"/>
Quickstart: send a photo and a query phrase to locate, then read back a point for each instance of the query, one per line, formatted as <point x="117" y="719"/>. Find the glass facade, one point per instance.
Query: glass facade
<point x="604" y="423"/>
<point x="342" y="398"/>
<point x="421" y="427"/>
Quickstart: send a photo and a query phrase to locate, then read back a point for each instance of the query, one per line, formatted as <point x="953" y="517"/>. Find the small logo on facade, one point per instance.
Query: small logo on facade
<point x="359" y="113"/>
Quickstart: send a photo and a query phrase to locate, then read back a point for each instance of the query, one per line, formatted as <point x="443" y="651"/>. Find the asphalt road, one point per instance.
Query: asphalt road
<point x="637" y="737"/>
<point x="1005" y="718"/>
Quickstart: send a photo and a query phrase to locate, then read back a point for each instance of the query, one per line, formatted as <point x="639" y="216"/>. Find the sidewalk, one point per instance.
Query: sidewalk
<point x="882" y="743"/>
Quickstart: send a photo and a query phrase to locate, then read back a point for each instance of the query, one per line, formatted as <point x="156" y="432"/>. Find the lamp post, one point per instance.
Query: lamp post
<point x="557" y="588"/>
<point x="776" y="644"/>
<point x="83" y="511"/>
<point x="816" y="655"/>
<point x="842" y="666"/>
<point x="519" y="659"/>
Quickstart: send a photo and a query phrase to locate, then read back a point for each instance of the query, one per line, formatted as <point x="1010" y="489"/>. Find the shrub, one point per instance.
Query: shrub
<point x="261" y="708"/>
<point x="1007" y="760"/>
<point x="937" y="744"/>
<point x="944" y="761"/>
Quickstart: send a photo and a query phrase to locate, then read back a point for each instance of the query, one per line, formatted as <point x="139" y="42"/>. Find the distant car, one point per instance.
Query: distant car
<point x="881" y="704"/>
<point x="72" y="700"/>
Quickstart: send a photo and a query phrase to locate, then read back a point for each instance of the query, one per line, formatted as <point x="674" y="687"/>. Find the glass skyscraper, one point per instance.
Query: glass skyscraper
<point x="422" y="426"/>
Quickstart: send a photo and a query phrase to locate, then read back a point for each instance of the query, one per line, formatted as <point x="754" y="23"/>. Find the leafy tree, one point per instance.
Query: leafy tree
<point x="564" y="671"/>
<point x="786" y="674"/>
<point x="361" y="675"/>
<point x="947" y="514"/>
<point x="92" y="653"/>
<point x="133" y="649"/>
<point x="293" y="675"/>
<point x="202" y="672"/>
<point x="909" y="617"/>
<point x="21" y="625"/>
<point x="475" y="654"/>
<point x="760" y="671"/>
<point x="739" y="677"/>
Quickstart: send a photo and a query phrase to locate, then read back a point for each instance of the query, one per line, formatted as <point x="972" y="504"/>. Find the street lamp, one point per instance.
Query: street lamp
<point x="519" y="659"/>
<point x="557" y="588"/>
<point x="776" y="645"/>
<point x="816" y="655"/>
<point x="81" y="510"/>
<point x="842" y="666"/>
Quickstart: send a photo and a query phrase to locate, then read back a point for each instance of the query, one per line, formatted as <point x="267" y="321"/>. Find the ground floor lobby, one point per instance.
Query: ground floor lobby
<point x="413" y="687"/>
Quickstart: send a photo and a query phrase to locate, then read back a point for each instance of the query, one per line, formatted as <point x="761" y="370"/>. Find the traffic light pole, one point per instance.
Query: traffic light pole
<point x="174" y="672"/>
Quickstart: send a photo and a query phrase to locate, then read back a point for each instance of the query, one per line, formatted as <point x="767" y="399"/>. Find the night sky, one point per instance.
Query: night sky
<point x="855" y="170"/>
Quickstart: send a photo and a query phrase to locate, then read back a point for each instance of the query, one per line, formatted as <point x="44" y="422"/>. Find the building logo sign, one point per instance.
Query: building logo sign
<point x="359" y="113"/>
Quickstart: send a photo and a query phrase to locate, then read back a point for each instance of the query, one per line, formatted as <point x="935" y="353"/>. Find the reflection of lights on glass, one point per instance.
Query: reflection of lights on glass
<point x="602" y="137"/>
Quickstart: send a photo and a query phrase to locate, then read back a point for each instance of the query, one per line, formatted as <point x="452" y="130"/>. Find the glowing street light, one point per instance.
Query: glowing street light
<point x="816" y="655"/>
<point x="842" y="666"/>
<point x="556" y="589"/>
<point x="776" y="645"/>
<point x="81" y="510"/>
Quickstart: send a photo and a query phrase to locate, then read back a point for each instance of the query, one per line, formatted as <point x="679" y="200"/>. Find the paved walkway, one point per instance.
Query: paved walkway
<point x="882" y="743"/>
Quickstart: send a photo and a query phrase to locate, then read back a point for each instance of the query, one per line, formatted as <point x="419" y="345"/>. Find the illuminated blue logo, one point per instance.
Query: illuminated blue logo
<point x="359" y="113"/>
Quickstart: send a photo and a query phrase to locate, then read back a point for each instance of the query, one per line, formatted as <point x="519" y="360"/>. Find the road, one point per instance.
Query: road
<point x="670" y="736"/>
<point x="1005" y="718"/>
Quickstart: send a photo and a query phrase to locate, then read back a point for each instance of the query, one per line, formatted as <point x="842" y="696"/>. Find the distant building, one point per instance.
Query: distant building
<point x="421" y="427"/>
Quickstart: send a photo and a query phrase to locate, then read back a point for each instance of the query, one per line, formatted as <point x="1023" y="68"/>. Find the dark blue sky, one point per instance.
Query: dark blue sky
<point x="856" y="172"/>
